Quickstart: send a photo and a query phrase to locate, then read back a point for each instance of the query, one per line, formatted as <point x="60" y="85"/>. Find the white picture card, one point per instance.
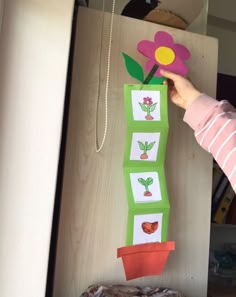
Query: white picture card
<point x="146" y="105"/>
<point x="145" y="187"/>
<point x="144" y="146"/>
<point x="140" y="236"/>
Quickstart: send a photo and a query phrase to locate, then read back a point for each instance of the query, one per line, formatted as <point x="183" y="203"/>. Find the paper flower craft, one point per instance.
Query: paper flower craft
<point x="146" y="111"/>
<point x="163" y="53"/>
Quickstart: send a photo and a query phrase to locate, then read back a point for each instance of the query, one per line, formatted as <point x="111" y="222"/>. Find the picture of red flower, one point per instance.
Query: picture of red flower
<point x="148" y="107"/>
<point x="147" y="101"/>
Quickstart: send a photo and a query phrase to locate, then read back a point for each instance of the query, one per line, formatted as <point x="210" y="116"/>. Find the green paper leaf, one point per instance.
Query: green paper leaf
<point x="144" y="107"/>
<point x="149" y="181"/>
<point x="150" y="146"/>
<point x="156" y="80"/>
<point x="142" y="181"/>
<point x="153" y="107"/>
<point x="141" y="145"/>
<point x="133" y="68"/>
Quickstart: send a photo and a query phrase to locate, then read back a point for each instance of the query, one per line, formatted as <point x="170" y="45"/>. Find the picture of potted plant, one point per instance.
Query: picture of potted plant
<point x="146" y="183"/>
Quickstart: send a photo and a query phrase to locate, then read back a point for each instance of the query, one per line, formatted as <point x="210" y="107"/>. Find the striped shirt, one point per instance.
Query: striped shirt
<point x="214" y="125"/>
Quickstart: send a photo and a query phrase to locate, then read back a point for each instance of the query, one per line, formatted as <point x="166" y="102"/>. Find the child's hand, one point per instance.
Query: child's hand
<point x="181" y="90"/>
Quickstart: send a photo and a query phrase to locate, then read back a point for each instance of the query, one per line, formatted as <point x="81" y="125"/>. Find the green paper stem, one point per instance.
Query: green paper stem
<point x="146" y="145"/>
<point x="151" y="74"/>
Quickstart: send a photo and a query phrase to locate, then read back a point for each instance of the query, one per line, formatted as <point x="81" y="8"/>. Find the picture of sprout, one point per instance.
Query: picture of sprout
<point x="146" y="183"/>
<point x="145" y="147"/>
<point x="148" y="107"/>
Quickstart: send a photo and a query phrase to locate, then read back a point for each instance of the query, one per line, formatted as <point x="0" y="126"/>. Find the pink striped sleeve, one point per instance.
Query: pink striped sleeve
<point x="214" y="124"/>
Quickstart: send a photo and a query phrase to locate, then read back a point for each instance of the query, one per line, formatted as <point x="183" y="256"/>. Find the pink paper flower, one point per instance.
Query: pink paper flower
<point x="147" y="101"/>
<point x="164" y="53"/>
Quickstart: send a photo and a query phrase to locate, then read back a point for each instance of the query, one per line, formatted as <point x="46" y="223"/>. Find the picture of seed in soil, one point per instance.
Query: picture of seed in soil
<point x="145" y="147"/>
<point x="149" y="228"/>
<point x="146" y="183"/>
<point x="148" y="107"/>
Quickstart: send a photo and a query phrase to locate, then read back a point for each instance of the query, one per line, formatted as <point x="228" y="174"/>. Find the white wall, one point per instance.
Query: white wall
<point x="223" y="9"/>
<point x="227" y="49"/>
<point x="222" y="25"/>
<point x="199" y="25"/>
<point x="34" y="45"/>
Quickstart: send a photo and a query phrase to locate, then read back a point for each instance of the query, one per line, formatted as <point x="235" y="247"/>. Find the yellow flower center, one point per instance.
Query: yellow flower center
<point x="164" y="55"/>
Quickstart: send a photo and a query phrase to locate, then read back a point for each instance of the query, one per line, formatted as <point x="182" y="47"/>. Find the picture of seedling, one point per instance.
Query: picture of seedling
<point x="148" y="107"/>
<point x="145" y="147"/>
<point x="149" y="228"/>
<point x="146" y="183"/>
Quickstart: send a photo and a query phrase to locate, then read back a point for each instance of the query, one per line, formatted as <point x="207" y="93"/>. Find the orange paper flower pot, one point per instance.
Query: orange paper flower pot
<point x="145" y="259"/>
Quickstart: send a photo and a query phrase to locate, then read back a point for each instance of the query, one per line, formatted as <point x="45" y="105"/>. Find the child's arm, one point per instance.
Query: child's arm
<point x="214" y="124"/>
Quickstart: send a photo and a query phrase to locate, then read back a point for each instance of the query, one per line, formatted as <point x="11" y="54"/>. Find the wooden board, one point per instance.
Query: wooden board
<point x="94" y="205"/>
<point x="34" y="48"/>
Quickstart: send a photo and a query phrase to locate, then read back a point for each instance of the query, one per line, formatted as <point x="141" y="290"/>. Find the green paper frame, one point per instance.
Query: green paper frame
<point x="136" y="111"/>
<point x="162" y="204"/>
<point x="130" y="225"/>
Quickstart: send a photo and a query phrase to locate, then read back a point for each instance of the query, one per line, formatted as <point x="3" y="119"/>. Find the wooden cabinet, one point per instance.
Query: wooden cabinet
<point x="35" y="40"/>
<point x="219" y="291"/>
<point x="94" y="208"/>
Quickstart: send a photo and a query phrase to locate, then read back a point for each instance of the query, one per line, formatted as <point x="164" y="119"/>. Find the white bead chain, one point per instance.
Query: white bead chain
<point x="99" y="147"/>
